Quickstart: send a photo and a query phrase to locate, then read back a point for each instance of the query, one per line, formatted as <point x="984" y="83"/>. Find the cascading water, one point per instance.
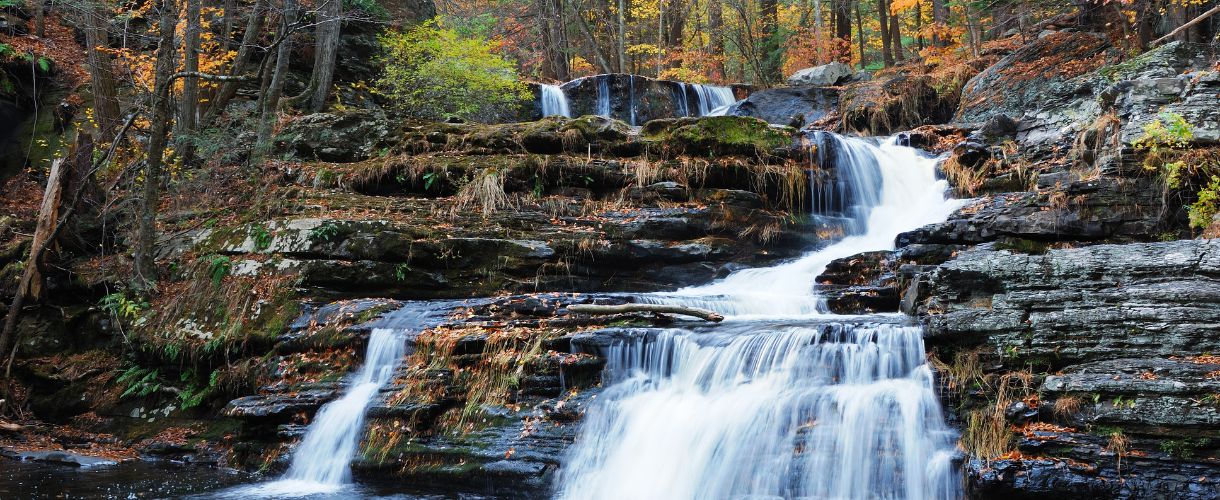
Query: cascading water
<point x="321" y="463"/>
<point x="712" y="100"/>
<point x="782" y="400"/>
<point x="603" y="96"/>
<point x="553" y="101"/>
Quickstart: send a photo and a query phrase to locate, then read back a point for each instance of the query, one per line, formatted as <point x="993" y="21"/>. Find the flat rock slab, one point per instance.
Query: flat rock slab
<point x="57" y="457"/>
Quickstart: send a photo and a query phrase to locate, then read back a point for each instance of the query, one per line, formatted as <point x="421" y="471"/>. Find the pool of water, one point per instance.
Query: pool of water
<point x="139" y="480"/>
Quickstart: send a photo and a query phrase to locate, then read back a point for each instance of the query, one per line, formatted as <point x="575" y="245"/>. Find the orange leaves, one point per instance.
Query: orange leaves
<point x="1031" y="428"/>
<point x="806" y="49"/>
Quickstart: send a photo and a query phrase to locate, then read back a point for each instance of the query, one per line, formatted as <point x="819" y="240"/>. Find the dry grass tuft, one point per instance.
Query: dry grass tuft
<point x="486" y="190"/>
<point x="1067" y="406"/>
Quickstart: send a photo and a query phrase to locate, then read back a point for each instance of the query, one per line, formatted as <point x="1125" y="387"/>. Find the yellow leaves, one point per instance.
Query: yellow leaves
<point x="899" y="6"/>
<point x="644" y="49"/>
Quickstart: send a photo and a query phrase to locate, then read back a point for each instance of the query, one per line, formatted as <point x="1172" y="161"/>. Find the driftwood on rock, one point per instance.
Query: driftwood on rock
<point x="656" y="308"/>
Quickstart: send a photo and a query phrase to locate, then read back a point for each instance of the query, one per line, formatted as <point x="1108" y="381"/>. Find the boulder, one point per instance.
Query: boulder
<point x="825" y="75"/>
<point x="342" y="136"/>
<point x="778" y="106"/>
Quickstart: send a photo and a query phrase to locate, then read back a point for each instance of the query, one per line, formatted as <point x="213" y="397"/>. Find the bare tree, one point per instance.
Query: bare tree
<point x="145" y="268"/>
<point x="245" y="51"/>
<point x="883" y="11"/>
<point x="101" y="75"/>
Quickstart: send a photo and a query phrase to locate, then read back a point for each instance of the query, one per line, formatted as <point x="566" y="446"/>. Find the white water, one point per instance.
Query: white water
<point x="713" y="100"/>
<point x="890" y="189"/>
<point x="781" y="400"/>
<point x="603" y="96"/>
<point x="710" y="100"/>
<point x="321" y="463"/>
<point x="553" y="101"/>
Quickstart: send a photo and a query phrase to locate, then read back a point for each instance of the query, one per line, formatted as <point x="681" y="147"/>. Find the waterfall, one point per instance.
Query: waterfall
<point x="681" y="97"/>
<point x="553" y="101"/>
<point x="781" y="400"/>
<point x="603" y="95"/>
<point x="321" y="463"/>
<point x="885" y="189"/>
<point x="631" y="98"/>
<point x="712" y="100"/>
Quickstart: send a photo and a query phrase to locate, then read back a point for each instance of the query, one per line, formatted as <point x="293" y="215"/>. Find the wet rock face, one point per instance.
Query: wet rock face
<point x="1123" y="390"/>
<point x="1036" y="80"/>
<point x="1101" y="209"/>
<point x="1077" y="305"/>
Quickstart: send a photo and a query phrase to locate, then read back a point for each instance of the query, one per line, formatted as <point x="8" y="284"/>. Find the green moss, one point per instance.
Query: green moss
<point x="727" y="135"/>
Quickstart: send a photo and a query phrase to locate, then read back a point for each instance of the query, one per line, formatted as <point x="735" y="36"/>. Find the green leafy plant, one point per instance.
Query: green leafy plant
<point x="434" y="72"/>
<point x="261" y="237"/>
<point x="370" y="7"/>
<point x="1205" y="208"/>
<point x="140" y="381"/>
<point x="122" y="307"/>
<point x="1168" y="132"/>
<point x="325" y="232"/>
<point x="220" y="267"/>
<point x="429" y="180"/>
<point x="400" y="271"/>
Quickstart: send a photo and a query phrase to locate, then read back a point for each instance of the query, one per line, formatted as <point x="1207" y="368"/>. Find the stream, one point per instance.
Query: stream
<point x="782" y="400"/>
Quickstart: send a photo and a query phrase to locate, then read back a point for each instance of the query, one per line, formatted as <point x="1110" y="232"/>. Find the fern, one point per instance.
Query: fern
<point x="219" y="268"/>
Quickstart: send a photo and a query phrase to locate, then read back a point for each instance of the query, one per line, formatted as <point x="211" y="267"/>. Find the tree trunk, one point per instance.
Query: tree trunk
<point x="622" y="36"/>
<point x="603" y="62"/>
<point x="883" y="11"/>
<point x="860" y="33"/>
<point x="226" y="24"/>
<point x="249" y="41"/>
<point x="326" y="52"/>
<point x="46" y="233"/>
<point x="940" y="16"/>
<point x="269" y="108"/>
<point x="715" y="36"/>
<point x="30" y="285"/>
<point x="843" y="30"/>
<point x="769" y="19"/>
<point x="1147" y="18"/>
<point x="675" y="24"/>
<point x="896" y="37"/>
<point x="550" y="23"/>
<point x="40" y="17"/>
<point x="101" y="74"/>
<point x="188" y="107"/>
<point x="596" y="309"/>
<point x="145" y="268"/>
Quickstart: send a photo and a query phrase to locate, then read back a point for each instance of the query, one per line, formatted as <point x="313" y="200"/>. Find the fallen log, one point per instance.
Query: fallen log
<point x="10" y="427"/>
<point x="656" y="308"/>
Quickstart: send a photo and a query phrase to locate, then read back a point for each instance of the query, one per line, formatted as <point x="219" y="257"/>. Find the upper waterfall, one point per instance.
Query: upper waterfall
<point x="632" y="98"/>
<point x="553" y="101"/>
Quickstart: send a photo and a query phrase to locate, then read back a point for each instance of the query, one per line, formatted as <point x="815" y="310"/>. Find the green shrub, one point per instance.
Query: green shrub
<point x="433" y="72"/>
<point x="1207" y="206"/>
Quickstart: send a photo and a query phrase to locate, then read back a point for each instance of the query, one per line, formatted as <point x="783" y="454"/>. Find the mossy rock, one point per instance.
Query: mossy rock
<point x="717" y="135"/>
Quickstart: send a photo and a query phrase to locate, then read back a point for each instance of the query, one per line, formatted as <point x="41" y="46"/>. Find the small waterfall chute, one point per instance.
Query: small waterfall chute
<point x="321" y="463"/>
<point x="553" y="101"/>
<point x="712" y="100"/>
<point x="603" y="95"/>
